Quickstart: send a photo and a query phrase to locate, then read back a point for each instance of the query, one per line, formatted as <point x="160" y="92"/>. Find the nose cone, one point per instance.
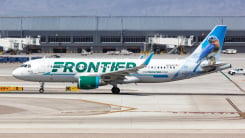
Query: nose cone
<point x="16" y="73"/>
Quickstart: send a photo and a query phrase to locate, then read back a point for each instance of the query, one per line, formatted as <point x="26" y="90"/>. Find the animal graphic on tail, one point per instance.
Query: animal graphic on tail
<point x="210" y="51"/>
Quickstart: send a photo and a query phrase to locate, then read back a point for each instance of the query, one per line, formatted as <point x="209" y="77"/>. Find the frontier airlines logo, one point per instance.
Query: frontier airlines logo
<point x="91" y="66"/>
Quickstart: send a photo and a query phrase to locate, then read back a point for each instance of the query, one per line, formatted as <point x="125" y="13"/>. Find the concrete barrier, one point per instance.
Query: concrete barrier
<point x="13" y="59"/>
<point x="72" y="88"/>
<point x="10" y="88"/>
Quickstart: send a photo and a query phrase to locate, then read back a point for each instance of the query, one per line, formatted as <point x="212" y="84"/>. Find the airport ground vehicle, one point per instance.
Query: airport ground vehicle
<point x="237" y="71"/>
<point x="122" y="52"/>
<point x="85" y="52"/>
<point x="229" y="51"/>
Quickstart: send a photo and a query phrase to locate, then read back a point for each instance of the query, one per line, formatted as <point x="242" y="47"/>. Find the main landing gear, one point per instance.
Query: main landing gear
<point x="115" y="90"/>
<point x="41" y="90"/>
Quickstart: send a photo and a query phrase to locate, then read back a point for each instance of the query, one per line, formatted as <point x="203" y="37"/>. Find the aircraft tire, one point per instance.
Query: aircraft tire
<point x="115" y="90"/>
<point x="41" y="90"/>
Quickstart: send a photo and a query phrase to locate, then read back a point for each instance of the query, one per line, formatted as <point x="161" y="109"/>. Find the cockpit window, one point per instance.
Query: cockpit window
<point x="23" y="65"/>
<point x="26" y="66"/>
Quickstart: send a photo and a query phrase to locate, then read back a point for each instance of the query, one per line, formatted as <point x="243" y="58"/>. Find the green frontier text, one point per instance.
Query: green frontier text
<point x="92" y="66"/>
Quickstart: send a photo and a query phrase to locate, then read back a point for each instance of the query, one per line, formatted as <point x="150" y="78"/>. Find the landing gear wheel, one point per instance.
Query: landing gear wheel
<point x="115" y="90"/>
<point x="41" y="90"/>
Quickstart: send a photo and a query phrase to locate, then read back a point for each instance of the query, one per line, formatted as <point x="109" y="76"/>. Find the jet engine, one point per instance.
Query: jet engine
<point x="89" y="82"/>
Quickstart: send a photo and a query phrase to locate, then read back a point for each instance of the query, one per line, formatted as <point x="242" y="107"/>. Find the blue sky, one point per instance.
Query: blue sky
<point x="122" y="8"/>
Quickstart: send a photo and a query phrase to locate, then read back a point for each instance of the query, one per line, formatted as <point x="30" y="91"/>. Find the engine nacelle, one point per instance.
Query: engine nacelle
<point x="89" y="82"/>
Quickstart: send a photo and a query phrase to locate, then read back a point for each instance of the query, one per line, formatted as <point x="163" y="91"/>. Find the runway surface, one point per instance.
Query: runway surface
<point x="188" y="108"/>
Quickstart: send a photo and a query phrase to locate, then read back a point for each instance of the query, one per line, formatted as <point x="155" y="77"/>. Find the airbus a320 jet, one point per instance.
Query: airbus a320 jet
<point x="92" y="73"/>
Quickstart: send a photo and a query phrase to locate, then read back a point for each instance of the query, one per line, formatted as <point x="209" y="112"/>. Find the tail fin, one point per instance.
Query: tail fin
<point x="211" y="46"/>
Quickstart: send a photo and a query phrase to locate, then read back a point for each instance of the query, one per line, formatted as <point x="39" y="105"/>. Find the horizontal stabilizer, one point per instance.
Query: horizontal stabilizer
<point x="213" y="67"/>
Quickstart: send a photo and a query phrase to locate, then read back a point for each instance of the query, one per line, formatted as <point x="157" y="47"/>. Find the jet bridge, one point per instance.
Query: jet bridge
<point x="18" y="44"/>
<point x="174" y="43"/>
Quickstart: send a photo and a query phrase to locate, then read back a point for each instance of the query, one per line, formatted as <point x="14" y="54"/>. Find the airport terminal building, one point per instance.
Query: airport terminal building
<point x="70" y="34"/>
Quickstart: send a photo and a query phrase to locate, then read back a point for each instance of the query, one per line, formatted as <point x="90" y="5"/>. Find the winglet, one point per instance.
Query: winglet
<point x="148" y="59"/>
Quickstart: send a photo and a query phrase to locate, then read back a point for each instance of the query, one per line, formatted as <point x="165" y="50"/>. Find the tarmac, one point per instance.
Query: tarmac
<point x="207" y="106"/>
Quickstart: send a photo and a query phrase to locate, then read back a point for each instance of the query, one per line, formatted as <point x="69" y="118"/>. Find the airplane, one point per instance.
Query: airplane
<point x="92" y="73"/>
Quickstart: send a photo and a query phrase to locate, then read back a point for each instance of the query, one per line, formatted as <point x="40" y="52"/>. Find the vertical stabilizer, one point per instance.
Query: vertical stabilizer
<point x="211" y="46"/>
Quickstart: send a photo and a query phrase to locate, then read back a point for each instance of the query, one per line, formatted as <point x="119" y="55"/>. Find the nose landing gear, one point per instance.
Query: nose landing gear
<point x="41" y="90"/>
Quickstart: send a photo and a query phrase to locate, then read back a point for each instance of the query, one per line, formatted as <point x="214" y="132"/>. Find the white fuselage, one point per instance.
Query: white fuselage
<point x="71" y="69"/>
<point x="41" y="70"/>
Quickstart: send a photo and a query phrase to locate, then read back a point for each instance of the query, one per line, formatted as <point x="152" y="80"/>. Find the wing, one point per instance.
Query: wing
<point x="120" y="75"/>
